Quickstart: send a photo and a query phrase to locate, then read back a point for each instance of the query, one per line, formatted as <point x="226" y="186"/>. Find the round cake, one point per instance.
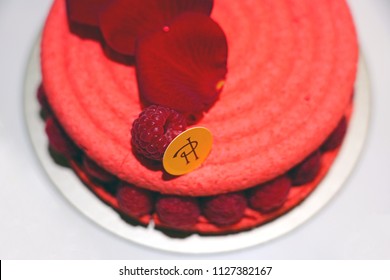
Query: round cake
<point x="277" y="124"/>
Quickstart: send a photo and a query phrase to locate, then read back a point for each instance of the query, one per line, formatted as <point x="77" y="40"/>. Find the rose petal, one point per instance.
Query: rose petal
<point x="85" y="11"/>
<point x="122" y="21"/>
<point x="183" y="65"/>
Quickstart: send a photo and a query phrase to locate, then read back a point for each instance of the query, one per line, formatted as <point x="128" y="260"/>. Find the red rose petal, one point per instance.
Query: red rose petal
<point x="183" y="65"/>
<point x="122" y="21"/>
<point x="85" y="11"/>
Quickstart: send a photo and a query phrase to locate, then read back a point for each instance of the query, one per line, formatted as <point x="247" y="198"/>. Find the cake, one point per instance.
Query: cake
<point x="277" y="124"/>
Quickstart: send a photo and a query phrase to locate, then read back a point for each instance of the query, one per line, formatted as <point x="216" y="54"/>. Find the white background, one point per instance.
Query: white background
<point x="36" y="222"/>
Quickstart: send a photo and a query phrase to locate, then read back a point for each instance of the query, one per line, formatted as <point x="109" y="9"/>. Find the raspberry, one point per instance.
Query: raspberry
<point x="154" y="129"/>
<point x="225" y="209"/>
<point x="177" y="211"/>
<point x="58" y="140"/>
<point x="134" y="201"/>
<point x="270" y="195"/>
<point x="41" y="96"/>
<point x="96" y="172"/>
<point x="336" y="137"/>
<point x="307" y="170"/>
<point x="42" y="99"/>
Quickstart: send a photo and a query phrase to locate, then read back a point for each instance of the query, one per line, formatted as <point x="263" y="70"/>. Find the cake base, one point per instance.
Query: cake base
<point x="86" y="202"/>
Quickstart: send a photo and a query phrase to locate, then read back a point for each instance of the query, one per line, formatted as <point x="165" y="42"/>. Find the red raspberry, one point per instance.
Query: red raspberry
<point x="270" y="195"/>
<point x="177" y="211"/>
<point x="42" y="99"/>
<point x="154" y="129"/>
<point x="134" y="201"/>
<point x="41" y="96"/>
<point x="58" y="140"/>
<point x="307" y="170"/>
<point x="336" y="137"/>
<point x="97" y="172"/>
<point x="225" y="209"/>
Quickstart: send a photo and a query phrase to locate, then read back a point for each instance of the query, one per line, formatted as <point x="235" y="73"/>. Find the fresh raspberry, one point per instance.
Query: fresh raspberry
<point x="41" y="96"/>
<point x="134" y="201"/>
<point x="307" y="170"/>
<point x="270" y="195"/>
<point x="97" y="172"/>
<point x="225" y="209"/>
<point x="58" y="140"/>
<point x="42" y="99"/>
<point x="154" y="129"/>
<point x="336" y="137"/>
<point x="177" y="211"/>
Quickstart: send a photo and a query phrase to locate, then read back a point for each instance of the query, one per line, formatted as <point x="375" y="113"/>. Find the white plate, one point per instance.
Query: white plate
<point x="88" y="204"/>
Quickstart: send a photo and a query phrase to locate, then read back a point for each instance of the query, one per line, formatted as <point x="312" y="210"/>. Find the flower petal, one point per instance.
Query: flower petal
<point x="122" y="21"/>
<point x="183" y="65"/>
<point x="85" y="11"/>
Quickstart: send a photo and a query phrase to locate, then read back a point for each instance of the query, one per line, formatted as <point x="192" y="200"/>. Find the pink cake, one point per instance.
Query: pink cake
<point x="288" y="90"/>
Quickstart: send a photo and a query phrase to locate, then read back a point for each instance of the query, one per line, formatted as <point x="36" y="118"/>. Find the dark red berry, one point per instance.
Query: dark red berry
<point x="307" y="170"/>
<point x="336" y="137"/>
<point x="177" y="211"/>
<point x="270" y="195"/>
<point x="97" y="172"/>
<point x="134" y="201"/>
<point x="42" y="99"/>
<point x="41" y="96"/>
<point x="154" y="129"/>
<point x="59" y="140"/>
<point x="225" y="209"/>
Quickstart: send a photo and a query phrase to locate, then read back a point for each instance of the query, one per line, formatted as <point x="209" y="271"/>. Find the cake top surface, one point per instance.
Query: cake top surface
<point x="291" y="70"/>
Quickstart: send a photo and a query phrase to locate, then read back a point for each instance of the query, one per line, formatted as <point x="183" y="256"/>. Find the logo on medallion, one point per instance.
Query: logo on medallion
<point x="187" y="151"/>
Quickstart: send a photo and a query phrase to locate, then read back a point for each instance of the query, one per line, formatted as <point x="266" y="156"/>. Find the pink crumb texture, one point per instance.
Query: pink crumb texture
<point x="263" y="128"/>
<point x="96" y="99"/>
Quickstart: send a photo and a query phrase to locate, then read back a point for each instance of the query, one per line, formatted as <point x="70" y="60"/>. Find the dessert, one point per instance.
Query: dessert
<point x="277" y="124"/>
